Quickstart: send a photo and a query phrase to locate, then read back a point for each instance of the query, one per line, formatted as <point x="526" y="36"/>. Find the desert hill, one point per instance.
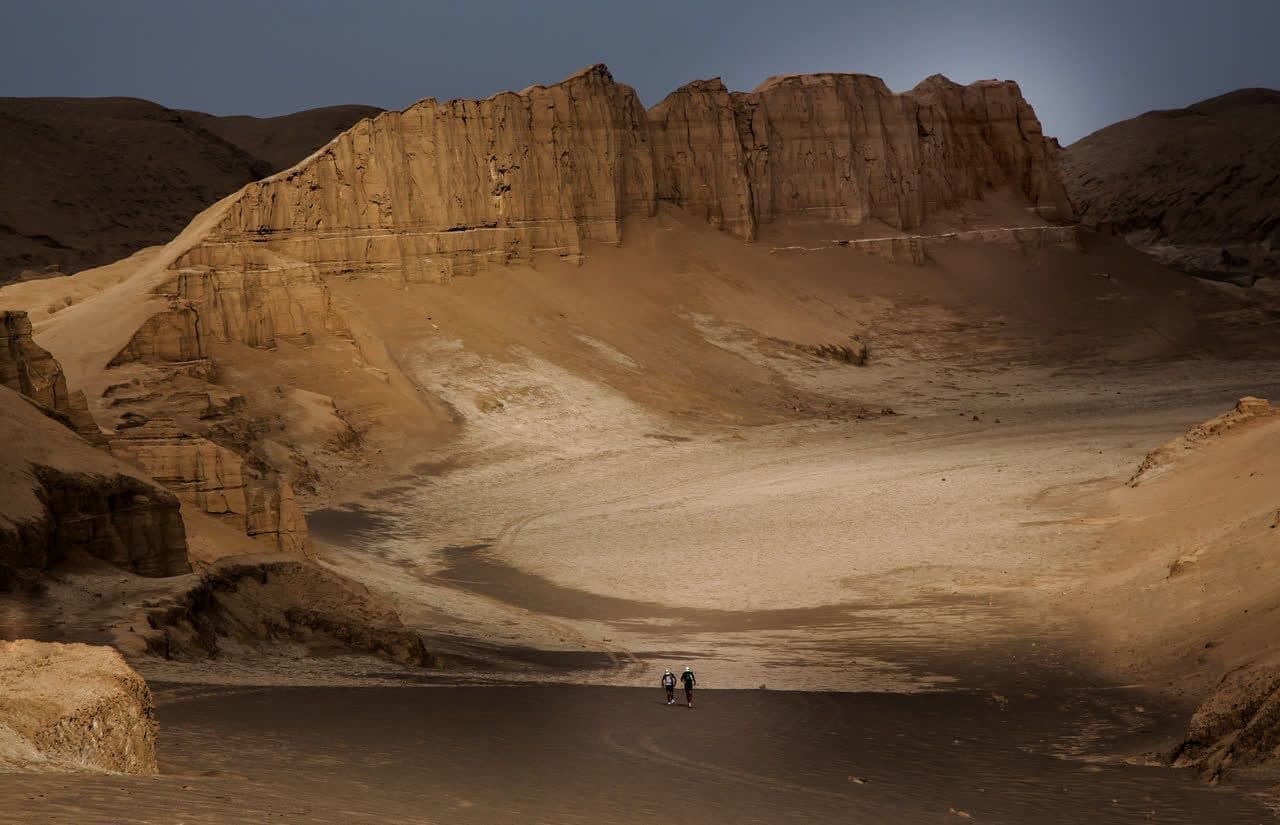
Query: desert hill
<point x="1196" y="187"/>
<point x="91" y="180"/>
<point x="284" y="140"/>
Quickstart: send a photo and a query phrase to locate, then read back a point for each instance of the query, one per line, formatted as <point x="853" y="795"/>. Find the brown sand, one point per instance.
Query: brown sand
<point x="575" y="754"/>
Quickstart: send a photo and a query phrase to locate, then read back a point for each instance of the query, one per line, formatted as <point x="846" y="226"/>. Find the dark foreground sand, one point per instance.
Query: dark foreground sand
<point x="597" y="754"/>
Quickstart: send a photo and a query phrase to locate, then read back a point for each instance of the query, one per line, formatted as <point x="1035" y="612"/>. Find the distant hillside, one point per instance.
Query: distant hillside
<point x="90" y="180"/>
<point x="1197" y="187"/>
<point x="285" y="140"/>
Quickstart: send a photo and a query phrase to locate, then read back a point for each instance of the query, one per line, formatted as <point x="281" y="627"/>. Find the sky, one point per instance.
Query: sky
<point x="1082" y="64"/>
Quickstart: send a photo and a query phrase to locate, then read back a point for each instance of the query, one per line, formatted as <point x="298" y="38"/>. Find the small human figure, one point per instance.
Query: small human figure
<point x="689" y="681"/>
<point x="669" y="683"/>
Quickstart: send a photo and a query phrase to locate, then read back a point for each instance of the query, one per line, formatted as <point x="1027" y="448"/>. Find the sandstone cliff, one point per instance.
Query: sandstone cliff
<point x="212" y="478"/>
<point x="60" y="496"/>
<point x="442" y="188"/>
<point x="73" y="708"/>
<point x="846" y="148"/>
<point x="27" y="368"/>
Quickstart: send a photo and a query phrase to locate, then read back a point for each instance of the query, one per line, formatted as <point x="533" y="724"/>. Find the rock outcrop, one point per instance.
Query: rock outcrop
<point x="73" y="708"/>
<point x="248" y="602"/>
<point x="846" y="148"/>
<point x="442" y="188"/>
<point x="1237" y="725"/>
<point x="59" y="496"/>
<point x="27" y="368"/>
<point x="212" y="478"/>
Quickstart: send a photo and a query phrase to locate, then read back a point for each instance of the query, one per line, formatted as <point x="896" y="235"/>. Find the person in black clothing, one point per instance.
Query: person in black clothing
<point x="669" y="683"/>
<point x="689" y="681"/>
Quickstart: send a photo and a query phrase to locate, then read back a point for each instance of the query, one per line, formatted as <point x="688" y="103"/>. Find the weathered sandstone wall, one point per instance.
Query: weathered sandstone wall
<point x="29" y="369"/>
<point x="60" y="496"/>
<point x="443" y="188"/>
<point x="73" y="708"/>
<point x="218" y="481"/>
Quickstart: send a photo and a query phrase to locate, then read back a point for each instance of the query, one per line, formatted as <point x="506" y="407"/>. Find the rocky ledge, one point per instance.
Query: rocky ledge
<point x="73" y="708"/>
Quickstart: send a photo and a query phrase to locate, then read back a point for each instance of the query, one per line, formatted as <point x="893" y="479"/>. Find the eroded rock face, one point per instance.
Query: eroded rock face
<point x="73" y="708"/>
<point x="217" y="480"/>
<point x="1237" y="725"/>
<point x="59" y="496"/>
<point x="247" y="603"/>
<point x="846" y="148"/>
<point x="443" y="188"/>
<point x="28" y="368"/>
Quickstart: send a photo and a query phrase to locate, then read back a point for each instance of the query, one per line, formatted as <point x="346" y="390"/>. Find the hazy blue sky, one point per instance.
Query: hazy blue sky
<point x="1082" y="63"/>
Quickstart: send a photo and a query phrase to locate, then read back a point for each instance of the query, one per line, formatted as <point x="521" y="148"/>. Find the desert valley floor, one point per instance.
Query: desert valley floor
<point x="952" y="673"/>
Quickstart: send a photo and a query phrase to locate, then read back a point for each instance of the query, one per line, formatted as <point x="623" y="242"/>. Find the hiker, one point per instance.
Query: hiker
<point x="669" y="682"/>
<point x="689" y="681"/>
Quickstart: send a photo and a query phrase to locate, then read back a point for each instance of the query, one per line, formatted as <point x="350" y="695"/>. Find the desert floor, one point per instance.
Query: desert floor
<point x="595" y="754"/>
<point x="948" y="670"/>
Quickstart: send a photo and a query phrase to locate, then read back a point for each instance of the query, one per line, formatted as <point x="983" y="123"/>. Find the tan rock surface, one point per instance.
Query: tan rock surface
<point x="60" y="496"/>
<point x="217" y="481"/>
<point x="27" y="368"/>
<point x="441" y="188"/>
<point x="73" y="708"/>
<point x="846" y="148"/>
<point x="1165" y="456"/>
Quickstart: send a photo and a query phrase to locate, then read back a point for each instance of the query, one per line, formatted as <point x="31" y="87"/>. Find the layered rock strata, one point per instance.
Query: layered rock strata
<point x="29" y="369"/>
<point x="442" y="188"/>
<point x="74" y="708"/>
<point x="59" y="496"/>
<point x="218" y="481"/>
